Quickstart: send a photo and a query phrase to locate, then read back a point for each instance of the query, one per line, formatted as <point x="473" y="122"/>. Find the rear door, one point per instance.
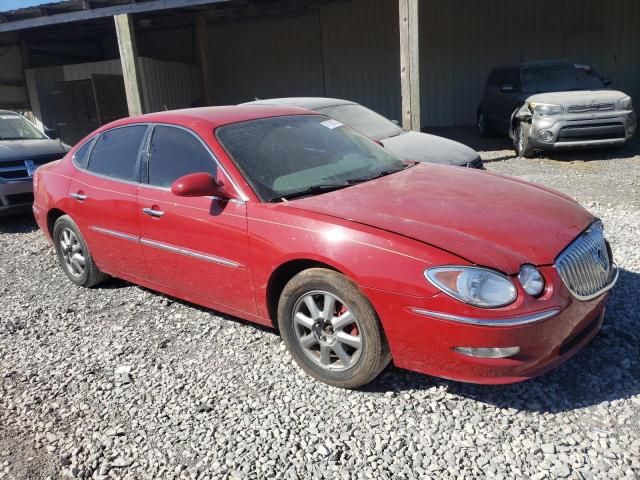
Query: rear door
<point x="104" y="199"/>
<point x="508" y="101"/>
<point x="196" y="245"/>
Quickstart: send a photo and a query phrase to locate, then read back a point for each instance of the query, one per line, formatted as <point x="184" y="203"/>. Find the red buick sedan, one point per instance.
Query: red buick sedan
<point x="291" y="219"/>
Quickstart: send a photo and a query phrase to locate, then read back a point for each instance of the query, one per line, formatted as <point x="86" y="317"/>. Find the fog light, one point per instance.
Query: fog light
<point x="531" y="280"/>
<point x="545" y="135"/>
<point x="488" y="352"/>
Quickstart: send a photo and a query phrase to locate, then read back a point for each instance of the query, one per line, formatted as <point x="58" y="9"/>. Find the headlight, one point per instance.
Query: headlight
<point x="546" y="109"/>
<point x="531" y="279"/>
<point x="625" y="103"/>
<point x="476" y="286"/>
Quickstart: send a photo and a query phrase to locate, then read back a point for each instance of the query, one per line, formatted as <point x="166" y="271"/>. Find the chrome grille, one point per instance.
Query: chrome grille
<point x="590" y="107"/>
<point x="585" y="265"/>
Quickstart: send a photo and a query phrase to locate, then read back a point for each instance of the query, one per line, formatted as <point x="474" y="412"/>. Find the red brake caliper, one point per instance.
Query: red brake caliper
<point x="354" y="329"/>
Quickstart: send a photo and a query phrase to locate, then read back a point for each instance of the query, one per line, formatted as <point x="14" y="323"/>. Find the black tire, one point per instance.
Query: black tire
<point x="482" y="125"/>
<point x="65" y="231"/>
<point x="521" y="140"/>
<point x="368" y="360"/>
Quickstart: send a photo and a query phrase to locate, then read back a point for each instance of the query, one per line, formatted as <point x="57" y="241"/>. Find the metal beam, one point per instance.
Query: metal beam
<point x="203" y="59"/>
<point x="129" y="60"/>
<point x="95" y="13"/>
<point x="410" y="64"/>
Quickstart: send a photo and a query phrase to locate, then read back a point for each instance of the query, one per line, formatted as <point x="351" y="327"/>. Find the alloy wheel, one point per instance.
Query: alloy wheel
<point x="72" y="252"/>
<point x="327" y="330"/>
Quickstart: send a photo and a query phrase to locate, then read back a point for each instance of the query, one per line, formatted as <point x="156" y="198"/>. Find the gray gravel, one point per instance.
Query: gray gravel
<point x="121" y="382"/>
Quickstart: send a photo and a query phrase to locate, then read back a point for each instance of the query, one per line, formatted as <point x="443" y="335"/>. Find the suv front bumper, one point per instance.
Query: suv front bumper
<point x="582" y="130"/>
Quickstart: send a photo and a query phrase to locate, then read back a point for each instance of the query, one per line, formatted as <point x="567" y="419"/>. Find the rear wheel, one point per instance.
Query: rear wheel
<point x="481" y="125"/>
<point x="73" y="254"/>
<point x="521" y="140"/>
<point x="331" y="329"/>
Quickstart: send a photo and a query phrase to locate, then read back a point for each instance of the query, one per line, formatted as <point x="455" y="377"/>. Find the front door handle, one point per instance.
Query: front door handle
<point x="153" y="213"/>
<point x="78" y="196"/>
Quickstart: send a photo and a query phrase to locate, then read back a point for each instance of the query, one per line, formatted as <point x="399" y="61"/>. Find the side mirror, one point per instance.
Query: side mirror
<point x="51" y="133"/>
<point x="507" y="88"/>
<point x="395" y="121"/>
<point x="607" y="81"/>
<point x="201" y="184"/>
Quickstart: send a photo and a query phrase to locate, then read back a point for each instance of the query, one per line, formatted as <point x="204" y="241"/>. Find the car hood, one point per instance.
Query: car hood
<point x="578" y="97"/>
<point x="487" y="219"/>
<point x="30" y="149"/>
<point x="423" y="147"/>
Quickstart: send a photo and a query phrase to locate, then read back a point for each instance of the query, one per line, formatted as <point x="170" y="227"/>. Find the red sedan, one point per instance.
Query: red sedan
<point x="292" y="219"/>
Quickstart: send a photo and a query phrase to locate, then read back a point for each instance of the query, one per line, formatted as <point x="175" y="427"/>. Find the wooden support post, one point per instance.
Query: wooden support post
<point x="129" y="60"/>
<point x="410" y="64"/>
<point x="203" y="59"/>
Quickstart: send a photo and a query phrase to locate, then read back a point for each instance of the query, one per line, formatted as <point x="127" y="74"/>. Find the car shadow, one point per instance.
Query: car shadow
<point x="605" y="370"/>
<point x="18" y="223"/>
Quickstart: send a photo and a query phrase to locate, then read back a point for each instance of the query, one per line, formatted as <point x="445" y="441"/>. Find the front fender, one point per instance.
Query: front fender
<point x="370" y="257"/>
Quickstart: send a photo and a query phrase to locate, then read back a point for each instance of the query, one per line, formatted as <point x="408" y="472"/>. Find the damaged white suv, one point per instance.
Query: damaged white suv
<point x="554" y="105"/>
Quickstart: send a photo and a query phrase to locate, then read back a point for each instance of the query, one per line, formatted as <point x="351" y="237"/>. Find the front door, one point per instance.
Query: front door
<point x="196" y="245"/>
<point x="104" y="199"/>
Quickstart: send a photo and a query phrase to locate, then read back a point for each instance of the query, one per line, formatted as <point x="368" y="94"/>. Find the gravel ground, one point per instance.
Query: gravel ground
<point x="121" y="382"/>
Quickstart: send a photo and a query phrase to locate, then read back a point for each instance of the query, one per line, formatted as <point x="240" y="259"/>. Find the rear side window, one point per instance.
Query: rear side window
<point x="495" y="78"/>
<point x="116" y="152"/>
<point x="174" y="153"/>
<point x="81" y="157"/>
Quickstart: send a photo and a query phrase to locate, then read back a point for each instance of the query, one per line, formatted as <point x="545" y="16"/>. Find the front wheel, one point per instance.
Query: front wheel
<point x="331" y="329"/>
<point x="521" y="140"/>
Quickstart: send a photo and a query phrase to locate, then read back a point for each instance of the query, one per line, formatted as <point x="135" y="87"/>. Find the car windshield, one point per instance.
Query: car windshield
<point x="15" y="127"/>
<point x="289" y="156"/>
<point x="364" y="120"/>
<point x="559" y="78"/>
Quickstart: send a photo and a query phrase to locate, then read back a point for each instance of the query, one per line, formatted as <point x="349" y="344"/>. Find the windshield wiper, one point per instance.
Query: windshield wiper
<point x="384" y="173"/>
<point x="315" y="189"/>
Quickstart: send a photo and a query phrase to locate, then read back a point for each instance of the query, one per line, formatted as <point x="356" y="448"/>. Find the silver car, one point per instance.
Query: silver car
<point x="23" y="148"/>
<point x="406" y="145"/>
<point x="554" y="105"/>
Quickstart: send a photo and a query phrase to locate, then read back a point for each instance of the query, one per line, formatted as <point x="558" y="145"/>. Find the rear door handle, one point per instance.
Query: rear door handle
<point x="153" y="213"/>
<point x="78" y="196"/>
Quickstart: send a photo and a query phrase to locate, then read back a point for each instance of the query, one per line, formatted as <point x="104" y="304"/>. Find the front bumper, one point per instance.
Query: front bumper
<point x="16" y="196"/>
<point x="582" y="130"/>
<point x="426" y="343"/>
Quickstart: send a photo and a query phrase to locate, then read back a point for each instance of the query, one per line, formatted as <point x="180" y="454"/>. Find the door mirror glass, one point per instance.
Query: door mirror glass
<point x="201" y="184"/>
<point x="507" y="88"/>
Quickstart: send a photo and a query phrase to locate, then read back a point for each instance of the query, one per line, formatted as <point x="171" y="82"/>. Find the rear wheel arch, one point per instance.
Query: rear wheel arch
<point x="53" y="215"/>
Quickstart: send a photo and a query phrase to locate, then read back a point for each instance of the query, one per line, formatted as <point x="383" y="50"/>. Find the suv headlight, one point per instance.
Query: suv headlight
<point x="625" y="103"/>
<point x="546" y="109"/>
<point x="476" y="286"/>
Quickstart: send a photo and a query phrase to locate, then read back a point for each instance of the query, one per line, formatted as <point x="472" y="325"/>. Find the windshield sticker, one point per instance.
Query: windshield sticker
<point x="9" y="117"/>
<point x="331" y="124"/>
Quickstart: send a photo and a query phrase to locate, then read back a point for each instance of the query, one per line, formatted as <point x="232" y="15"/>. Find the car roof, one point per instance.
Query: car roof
<point x="210" y="116"/>
<point x="11" y="112"/>
<point x="540" y="63"/>
<point x="312" y="103"/>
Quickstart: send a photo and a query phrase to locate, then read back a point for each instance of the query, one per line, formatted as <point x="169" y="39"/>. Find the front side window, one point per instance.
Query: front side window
<point x="284" y="156"/>
<point x="16" y="127"/>
<point x="116" y="152"/>
<point x="174" y="153"/>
